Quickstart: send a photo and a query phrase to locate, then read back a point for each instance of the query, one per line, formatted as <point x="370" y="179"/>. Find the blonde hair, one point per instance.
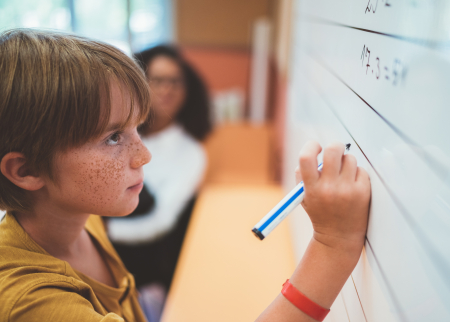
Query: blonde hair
<point x="55" y="94"/>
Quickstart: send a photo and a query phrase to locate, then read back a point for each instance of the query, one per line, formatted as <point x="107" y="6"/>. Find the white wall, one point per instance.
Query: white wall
<point x="396" y="115"/>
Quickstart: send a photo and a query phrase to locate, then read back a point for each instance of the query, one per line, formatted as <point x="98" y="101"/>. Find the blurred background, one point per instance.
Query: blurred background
<point x="129" y="25"/>
<point x="239" y="47"/>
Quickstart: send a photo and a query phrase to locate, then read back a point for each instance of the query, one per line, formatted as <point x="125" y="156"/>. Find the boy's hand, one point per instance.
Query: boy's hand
<point x="336" y="199"/>
<point x="337" y="202"/>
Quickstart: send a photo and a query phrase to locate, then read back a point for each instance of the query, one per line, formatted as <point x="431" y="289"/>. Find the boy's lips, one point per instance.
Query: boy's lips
<point x="137" y="186"/>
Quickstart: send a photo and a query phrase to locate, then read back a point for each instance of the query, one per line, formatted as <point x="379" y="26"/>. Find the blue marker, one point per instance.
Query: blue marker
<point x="282" y="209"/>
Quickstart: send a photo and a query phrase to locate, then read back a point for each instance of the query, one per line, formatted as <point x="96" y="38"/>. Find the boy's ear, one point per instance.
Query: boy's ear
<point x="14" y="167"/>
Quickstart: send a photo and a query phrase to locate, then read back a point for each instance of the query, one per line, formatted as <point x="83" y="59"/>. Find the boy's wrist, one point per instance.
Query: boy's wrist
<point x="350" y="245"/>
<point x="325" y="266"/>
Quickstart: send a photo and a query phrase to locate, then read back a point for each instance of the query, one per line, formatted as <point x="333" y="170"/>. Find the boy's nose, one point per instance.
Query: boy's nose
<point x="142" y="156"/>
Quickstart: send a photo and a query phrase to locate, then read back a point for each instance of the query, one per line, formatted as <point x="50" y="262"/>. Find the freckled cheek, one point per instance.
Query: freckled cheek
<point x="105" y="182"/>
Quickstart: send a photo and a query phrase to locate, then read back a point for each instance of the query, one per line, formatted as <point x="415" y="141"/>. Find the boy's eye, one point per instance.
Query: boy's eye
<point x="113" y="139"/>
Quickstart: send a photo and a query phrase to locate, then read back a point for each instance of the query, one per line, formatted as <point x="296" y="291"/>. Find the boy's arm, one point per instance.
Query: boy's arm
<point x="55" y="300"/>
<point x="337" y="202"/>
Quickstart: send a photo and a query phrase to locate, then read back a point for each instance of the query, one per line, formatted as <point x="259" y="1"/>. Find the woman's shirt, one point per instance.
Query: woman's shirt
<point x="173" y="175"/>
<point x="35" y="286"/>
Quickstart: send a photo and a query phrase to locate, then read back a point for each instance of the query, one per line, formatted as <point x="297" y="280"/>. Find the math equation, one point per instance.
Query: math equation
<point x="393" y="71"/>
<point x="372" y="5"/>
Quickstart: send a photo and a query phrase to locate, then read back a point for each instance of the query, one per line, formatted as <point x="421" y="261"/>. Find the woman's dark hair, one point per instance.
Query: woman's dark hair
<point x="194" y="114"/>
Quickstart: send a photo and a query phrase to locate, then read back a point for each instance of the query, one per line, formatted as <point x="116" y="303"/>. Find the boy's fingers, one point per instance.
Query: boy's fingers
<point x="362" y="177"/>
<point x="363" y="181"/>
<point x="332" y="159"/>
<point x="349" y="167"/>
<point x="308" y="162"/>
<point x="298" y="175"/>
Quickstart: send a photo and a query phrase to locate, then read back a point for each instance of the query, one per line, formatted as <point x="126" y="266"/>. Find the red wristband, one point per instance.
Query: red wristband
<point x="303" y="303"/>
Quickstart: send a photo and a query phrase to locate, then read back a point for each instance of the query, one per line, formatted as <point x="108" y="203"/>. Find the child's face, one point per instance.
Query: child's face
<point x="105" y="175"/>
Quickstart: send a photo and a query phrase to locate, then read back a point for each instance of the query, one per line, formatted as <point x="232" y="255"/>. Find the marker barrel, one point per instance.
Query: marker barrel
<point x="279" y="212"/>
<point x="265" y="226"/>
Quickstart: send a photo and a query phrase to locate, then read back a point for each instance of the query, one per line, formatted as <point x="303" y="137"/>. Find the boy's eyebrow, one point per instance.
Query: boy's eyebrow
<point x="113" y="127"/>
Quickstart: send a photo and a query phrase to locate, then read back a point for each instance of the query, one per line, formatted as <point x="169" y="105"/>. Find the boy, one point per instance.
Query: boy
<point x="69" y="111"/>
<point x="69" y="108"/>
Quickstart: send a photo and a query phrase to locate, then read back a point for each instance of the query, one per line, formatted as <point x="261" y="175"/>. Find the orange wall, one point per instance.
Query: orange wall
<point x="221" y="68"/>
<point x="224" y="23"/>
<point x="279" y="122"/>
<point x="281" y="74"/>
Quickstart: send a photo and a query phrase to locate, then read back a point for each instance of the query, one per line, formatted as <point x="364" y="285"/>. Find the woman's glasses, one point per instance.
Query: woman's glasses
<point x="173" y="82"/>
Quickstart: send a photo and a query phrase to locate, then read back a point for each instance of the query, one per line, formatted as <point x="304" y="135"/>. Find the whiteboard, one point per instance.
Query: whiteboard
<point x="376" y="74"/>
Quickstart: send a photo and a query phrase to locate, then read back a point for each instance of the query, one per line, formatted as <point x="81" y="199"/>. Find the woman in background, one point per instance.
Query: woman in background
<point x="150" y="239"/>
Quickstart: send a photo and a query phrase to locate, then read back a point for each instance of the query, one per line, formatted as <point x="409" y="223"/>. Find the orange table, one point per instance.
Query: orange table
<point x="225" y="273"/>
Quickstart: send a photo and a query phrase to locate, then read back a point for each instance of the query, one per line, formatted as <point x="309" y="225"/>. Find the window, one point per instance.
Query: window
<point x="131" y="25"/>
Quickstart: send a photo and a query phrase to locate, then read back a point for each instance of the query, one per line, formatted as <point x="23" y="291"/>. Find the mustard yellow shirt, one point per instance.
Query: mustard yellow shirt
<point x="35" y="286"/>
